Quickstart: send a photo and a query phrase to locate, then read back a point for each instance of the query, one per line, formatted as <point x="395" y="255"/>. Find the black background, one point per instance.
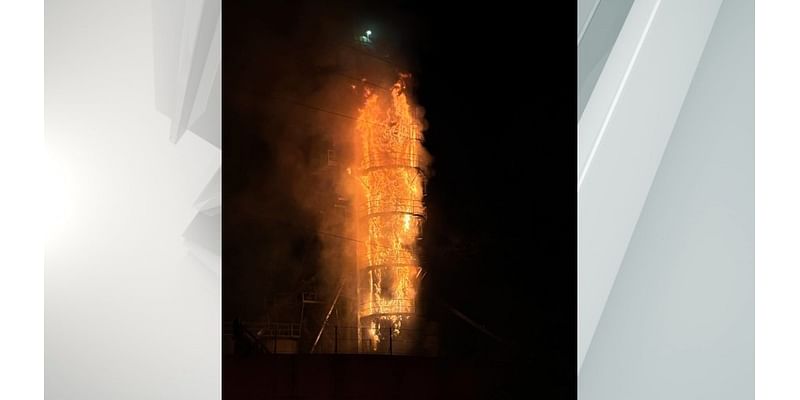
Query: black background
<point x="498" y="83"/>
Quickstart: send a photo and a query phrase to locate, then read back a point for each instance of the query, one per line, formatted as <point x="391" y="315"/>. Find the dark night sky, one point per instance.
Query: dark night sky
<point x="498" y="86"/>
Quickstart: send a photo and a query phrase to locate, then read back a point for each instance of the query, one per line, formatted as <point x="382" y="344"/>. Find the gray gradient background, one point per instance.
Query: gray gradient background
<point x="132" y="286"/>
<point x="679" y="323"/>
<point x="623" y="133"/>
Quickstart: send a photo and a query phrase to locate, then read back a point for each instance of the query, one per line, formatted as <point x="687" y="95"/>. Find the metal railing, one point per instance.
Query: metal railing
<point x="384" y="206"/>
<point x="382" y="160"/>
<point x="387" y="307"/>
<point x="383" y="340"/>
<point x="284" y="338"/>
<point x="267" y="329"/>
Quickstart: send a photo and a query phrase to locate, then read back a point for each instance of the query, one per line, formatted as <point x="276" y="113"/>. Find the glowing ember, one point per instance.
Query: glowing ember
<point x="389" y="162"/>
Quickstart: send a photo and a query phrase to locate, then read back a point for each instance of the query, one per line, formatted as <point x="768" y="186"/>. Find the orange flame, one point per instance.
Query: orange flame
<point x="389" y="159"/>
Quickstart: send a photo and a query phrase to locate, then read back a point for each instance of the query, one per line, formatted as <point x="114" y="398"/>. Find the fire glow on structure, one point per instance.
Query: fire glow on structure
<point x="389" y="164"/>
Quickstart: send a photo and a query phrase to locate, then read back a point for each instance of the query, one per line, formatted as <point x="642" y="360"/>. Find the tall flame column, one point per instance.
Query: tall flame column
<point x="390" y="212"/>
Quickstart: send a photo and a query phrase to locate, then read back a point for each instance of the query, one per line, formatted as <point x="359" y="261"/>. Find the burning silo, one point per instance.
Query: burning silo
<point x="389" y="164"/>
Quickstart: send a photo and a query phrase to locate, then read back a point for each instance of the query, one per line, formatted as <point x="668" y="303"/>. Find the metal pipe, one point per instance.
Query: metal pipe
<point x="335" y="299"/>
<point x="473" y="323"/>
<point x="391" y="328"/>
